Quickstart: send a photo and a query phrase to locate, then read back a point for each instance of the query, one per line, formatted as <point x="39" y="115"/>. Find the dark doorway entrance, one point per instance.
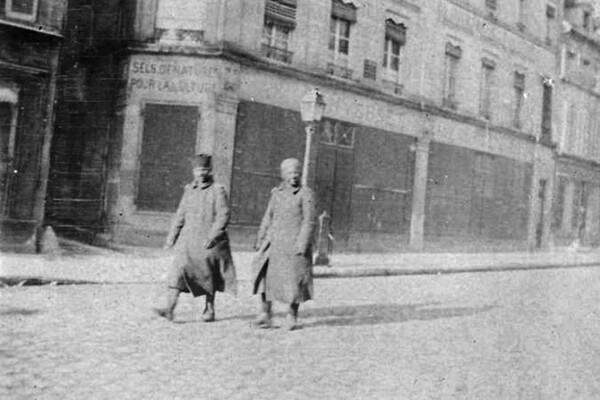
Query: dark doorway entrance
<point x="168" y="144"/>
<point x="334" y="175"/>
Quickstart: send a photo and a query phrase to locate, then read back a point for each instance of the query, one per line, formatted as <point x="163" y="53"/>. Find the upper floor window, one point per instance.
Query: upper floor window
<point x="339" y="36"/>
<point x="491" y="4"/>
<point x="395" y="38"/>
<point x="25" y="10"/>
<point x="550" y="15"/>
<point x="519" y="92"/>
<point x="280" y="21"/>
<point x="586" y="20"/>
<point x="521" y="14"/>
<point x="547" y="108"/>
<point x="342" y="17"/>
<point x="487" y="82"/>
<point x="453" y="55"/>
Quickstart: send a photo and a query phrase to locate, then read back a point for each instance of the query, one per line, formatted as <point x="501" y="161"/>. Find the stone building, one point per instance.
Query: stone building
<point x="577" y="197"/>
<point x="438" y="130"/>
<point x="96" y="37"/>
<point x="31" y="35"/>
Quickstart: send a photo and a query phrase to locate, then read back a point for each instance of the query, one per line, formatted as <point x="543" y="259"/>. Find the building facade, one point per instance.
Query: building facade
<point x="438" y="130"/>
<point x="31" y="35"/>
<point x="577" y="196"/>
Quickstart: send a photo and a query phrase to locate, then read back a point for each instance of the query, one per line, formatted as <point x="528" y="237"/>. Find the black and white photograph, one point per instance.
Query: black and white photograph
<point x="300" y="199"/>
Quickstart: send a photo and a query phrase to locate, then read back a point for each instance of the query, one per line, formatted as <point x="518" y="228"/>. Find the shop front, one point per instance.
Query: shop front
<point x="175" y="106"/>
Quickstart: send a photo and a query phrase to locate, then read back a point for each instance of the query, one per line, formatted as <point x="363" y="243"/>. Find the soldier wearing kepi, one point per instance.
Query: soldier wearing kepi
<point x="203" y="264"/>
<point x="283" y="266"/>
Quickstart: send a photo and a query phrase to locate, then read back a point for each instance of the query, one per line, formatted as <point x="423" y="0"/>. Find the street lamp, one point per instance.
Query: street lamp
<point x="312" y="107"/>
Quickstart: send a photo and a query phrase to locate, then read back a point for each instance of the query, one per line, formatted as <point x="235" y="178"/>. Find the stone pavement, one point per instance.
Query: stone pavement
<point x="84" y="263"/>
<point x="495" y="336"/>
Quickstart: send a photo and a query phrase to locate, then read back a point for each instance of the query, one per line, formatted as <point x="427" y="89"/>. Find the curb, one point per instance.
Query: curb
<point x="39" y="281"/>
<point x="332" y="272"/>
<point x="318" y="273"/>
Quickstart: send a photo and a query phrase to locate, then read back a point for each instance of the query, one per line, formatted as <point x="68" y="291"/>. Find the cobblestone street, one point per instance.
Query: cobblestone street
<point x="509" y="335"/>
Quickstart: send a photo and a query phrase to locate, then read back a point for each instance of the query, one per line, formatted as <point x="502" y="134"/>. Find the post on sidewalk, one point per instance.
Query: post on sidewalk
<point x="417" y="218"/>
<point x="324" y="240"/>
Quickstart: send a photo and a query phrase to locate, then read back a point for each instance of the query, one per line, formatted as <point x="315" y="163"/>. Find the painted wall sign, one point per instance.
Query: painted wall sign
<point x="178" y="76"/>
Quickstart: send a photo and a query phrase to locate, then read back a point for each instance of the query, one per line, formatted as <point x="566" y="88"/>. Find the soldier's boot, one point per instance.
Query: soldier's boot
<point x="264" y="318"/>
<point x="209" y="310"/>
<point x="170" y="302"/>
<point x="291" y="319"/>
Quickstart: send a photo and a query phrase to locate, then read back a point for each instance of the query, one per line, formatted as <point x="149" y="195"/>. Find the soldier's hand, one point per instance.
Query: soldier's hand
<point x="209" y="244"/>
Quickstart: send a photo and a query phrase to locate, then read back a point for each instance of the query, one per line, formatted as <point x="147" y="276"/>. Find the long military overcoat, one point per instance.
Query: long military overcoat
<point x="202" y="216"/>
<point x="282" y="269"/>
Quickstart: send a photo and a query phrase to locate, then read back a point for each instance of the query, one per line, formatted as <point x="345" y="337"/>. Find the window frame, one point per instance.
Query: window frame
<point x="488" y="68"/>
<point x="519" y="92"/>
<point x="22" y="16"/>
<point x="452" y="57"/>
<point x="336" y="25"/>
<point x="394" y="41"/>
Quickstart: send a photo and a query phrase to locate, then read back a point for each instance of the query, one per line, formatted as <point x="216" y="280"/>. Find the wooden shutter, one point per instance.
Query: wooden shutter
<point x="281" y="13"/>
<point x="395" y="31"/>
<point x="343" y="10"/>
<point x="168" y="144"/>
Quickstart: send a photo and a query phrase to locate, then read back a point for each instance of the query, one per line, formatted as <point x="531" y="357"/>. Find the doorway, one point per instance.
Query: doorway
<point x="334" y="175"/>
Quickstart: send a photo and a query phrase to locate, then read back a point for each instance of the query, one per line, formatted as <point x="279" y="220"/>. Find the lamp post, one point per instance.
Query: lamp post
<point x="312" y="107"/>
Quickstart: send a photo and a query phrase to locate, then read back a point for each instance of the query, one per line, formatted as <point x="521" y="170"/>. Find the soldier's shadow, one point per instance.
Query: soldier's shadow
<point x="368" y="314"/>
<point x="373" y="314"/>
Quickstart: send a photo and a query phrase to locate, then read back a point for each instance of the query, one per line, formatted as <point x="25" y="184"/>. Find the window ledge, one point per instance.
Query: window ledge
<point x="394" y="87"/>
<point x="35" y="28"/>
<point x="339" y="71"/>
<point x="449" y="103"/>
<point x="277" y="54"/>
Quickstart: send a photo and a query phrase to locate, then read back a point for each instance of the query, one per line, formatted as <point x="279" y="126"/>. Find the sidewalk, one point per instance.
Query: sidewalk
<point x="80" y="263"/>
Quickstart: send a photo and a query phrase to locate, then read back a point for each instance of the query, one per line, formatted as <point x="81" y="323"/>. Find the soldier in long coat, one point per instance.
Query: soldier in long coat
<point x="203" y="264"/>
<point x="283" y="266"/>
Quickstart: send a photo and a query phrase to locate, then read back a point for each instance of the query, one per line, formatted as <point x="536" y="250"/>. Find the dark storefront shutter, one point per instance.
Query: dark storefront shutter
<point x="168" y="144"/>
<point x="382" y="182"/>
<point x="265" y="136"/>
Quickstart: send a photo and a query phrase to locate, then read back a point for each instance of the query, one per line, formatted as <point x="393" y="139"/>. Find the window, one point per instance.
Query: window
<point x="275" y="40"/>
<point x="547" y="109"/>
<point x="521" y="15"/>
<point x="519" y="90"/>
<point x="487" y="81"/>
<point x="22" y="9"/>
<point x="586" y="20"/>
<point x="453" y="55"/>
<point x="550" y="15"/>
<point x="343" y="14"/>
<point x="559" y="203"/>
<point x="395" y="38"/>
<point x="280" y="21"/>
<point x="339" y="36"/>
